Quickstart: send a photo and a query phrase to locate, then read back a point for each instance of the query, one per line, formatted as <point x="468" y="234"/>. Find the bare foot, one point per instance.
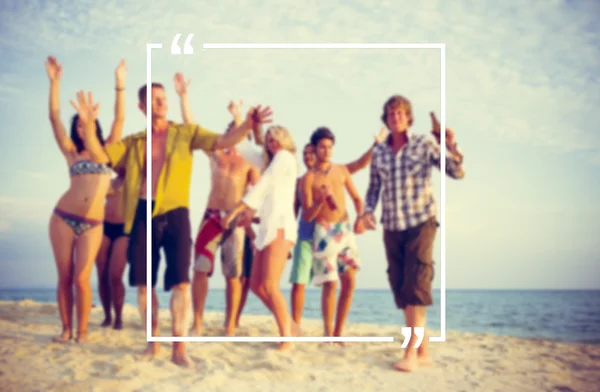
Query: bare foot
<point x="340" y="344"/>
<point x="152" y="350"/>
<point x="64" y="337"/>
<point x="107" y="322"/>
<point x="197" y="329"/>
<point x="284" y="346"/>
<point x="118" y="324"/>
<point x="296" y="330"/>
<point x="181" y="359"/>
<point x="82" y="337"/>
<point x="406" y="364"/>
<point x="229" y="331"/>
<point x="425" y="360"/>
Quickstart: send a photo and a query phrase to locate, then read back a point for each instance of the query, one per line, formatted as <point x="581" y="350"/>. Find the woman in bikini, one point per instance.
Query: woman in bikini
<point x="273" y="198"/>
<point x="112" y="256"/>
<point x="76" y="223"/>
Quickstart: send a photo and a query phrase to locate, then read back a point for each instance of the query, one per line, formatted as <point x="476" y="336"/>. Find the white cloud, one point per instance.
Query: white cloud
<point x="526" y="74"/>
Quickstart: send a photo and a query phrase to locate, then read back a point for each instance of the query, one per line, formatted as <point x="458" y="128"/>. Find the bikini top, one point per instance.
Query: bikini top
<point x="88" y="167"/>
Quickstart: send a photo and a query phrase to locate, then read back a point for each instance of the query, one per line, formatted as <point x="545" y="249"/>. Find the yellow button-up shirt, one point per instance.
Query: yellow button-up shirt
<point x="173" y="190"/>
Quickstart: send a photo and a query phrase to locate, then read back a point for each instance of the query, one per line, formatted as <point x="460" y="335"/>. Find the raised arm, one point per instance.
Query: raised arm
<point x="88" y="113"/>
<point x="239" y="132"/>
<point x="54" y="70"/>
<point x="259" y="136"/>
<point x="373" y="190"/>
<point x="116" y="131"/>
<point x="351" y="188"/>
<point x="365" y="159"/>
<point x="181" y="87"/>
<point x="112" y="153"/>
<point x="453" y="156"/>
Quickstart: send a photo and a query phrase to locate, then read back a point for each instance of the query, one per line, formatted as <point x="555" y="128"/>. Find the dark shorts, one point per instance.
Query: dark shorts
<point x="114" y="230"/>
<point x="248" y="257"/>
<point x="171" y="232"/>
<point x="410" y="263"/>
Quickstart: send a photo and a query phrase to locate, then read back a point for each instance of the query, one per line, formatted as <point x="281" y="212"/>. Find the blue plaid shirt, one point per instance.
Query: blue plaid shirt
<point x="405" y="179"/>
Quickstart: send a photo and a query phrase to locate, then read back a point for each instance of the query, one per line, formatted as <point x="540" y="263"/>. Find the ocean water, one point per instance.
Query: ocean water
<point x="571" y="316"/>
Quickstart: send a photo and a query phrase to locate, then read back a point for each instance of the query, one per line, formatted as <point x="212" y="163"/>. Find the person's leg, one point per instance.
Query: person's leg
<point x="177" y="244"/>
<point x="86" y="251"/>
<point x="205" y="247"/>
<point x="348" y="264"/>
<point x="348" y="279"/>
<point x="136" y="255"/>
<point x="103" y="279"/>
<point x="267" y="286"/>
<point x="232" y="259"/>
<point x="245" y="281"/>
<point x="300" y="276"/>
<point x="62" y="239"/>
<point x="416" y="289"/>
<point x="325" y="272"/>
<point x="118" y="258"/>
<point x="152" y="348"/>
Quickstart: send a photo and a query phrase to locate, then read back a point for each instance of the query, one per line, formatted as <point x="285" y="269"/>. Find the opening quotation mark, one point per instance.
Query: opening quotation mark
<point x="187" y="47"/>
<point x="407" y="333"/>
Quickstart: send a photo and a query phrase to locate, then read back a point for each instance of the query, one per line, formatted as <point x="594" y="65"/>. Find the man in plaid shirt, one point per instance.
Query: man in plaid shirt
<point x="401" y="168"/>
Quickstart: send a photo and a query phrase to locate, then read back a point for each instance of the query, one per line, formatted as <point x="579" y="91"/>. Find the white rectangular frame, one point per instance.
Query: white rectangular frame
<point x="441" y="338"/>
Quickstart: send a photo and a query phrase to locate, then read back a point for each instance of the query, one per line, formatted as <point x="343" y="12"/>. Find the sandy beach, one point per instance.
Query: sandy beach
<point x="29" y="361"/>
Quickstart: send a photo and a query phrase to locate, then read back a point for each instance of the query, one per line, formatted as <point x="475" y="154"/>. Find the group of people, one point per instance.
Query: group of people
<point x="260" y="213"/>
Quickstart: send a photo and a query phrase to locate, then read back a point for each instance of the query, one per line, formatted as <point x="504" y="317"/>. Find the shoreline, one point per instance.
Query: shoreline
<point x="465" y="362"/>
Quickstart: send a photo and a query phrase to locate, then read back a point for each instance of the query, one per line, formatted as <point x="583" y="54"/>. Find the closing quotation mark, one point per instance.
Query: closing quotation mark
<point x="407" y="333"/>
<point x="187" y="47"/>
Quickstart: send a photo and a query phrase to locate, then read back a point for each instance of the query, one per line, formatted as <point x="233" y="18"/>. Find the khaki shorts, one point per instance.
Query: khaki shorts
<point x="410" y="263"/>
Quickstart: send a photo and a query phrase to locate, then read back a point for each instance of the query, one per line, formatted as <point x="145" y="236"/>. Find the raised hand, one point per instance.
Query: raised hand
<point x="259" y="115"/>
<point x="121" y="73"/>
<point x="86" y="108"/>
<point x="181" y="84"/>
<point x="383" y="134"/>
<point x="436" y="131"/>
<point x="235" y="108"/>
<point x="53" y="68"/>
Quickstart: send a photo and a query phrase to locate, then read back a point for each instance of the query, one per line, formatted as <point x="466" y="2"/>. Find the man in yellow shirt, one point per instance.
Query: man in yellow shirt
<point x="172" y="147"/>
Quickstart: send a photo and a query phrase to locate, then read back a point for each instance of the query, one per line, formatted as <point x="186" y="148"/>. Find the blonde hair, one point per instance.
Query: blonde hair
<point x="281" y="136"/>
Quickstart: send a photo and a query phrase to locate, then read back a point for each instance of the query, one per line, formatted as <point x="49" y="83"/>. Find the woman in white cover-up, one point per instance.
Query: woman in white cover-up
<point x="272" y="199"/>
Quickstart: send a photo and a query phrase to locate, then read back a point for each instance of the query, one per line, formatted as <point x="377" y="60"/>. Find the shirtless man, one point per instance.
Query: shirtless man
<point x="231" y="175"/>
<point x="112" y="256"/>
<point x="172" y="158"/>
<point x="301" y="272"/>
<point x="335" y="253"/>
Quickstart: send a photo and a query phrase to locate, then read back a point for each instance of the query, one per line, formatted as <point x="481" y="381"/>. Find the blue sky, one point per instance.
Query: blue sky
<point x="522" y="96"/>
